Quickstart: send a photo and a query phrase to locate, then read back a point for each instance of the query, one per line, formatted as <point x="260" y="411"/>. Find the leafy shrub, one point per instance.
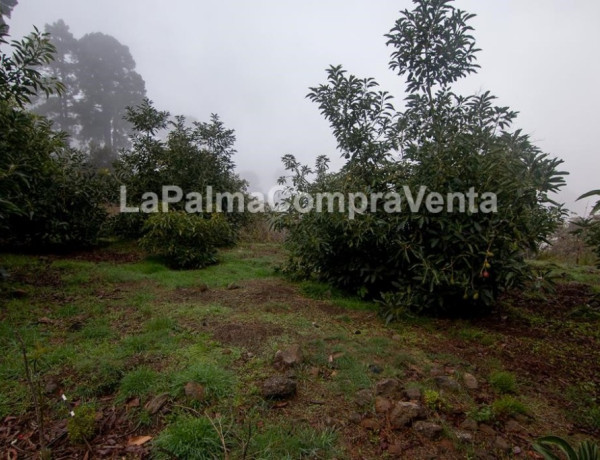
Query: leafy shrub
<point x="49" y="196"/>
<point x="185" y="240"/>
<point x="587" y="450"/>
<point x="128" y="225"/>
<point x="188" y="437"/>
<point x="430" y="262"/>
<point x="503" y="382"/>
<point x="192" y="156"/>
<point x="81" y="426"/>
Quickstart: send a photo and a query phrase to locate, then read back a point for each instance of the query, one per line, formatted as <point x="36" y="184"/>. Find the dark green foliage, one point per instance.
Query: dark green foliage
<point x="444" y="261"/>
<point x="590" y="226"/>
<point x="587" y="450"/>
<point x="185" y="240"/>
<point x="20" y="75"/>
<point x="64" y="205"/>
<point x="48" y="195"/>
<point x="192" y="157"/>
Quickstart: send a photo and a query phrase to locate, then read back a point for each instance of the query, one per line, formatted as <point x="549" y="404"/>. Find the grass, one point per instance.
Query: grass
<point x="188" y="437"/>
<point x="138" y="329"/>
<point x="138" y="383"/>
<point x="508" y="406"/>
<point x="503" y="382"/>
<point x="287" y="441"/>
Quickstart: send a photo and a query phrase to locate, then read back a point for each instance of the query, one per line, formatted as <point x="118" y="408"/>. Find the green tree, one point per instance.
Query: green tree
<point x="443" y="141"/>
<point x="47" y="194"/>
<point x="169" y="151"/>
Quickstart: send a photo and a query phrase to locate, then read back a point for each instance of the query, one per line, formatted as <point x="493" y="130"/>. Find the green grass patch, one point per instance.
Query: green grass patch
<point x="138" y="383"/>
<point x="292" y="442"/>
<point x="508" y="406"/>
<point x="217" y="382"/>
<point x="188" y="437"/>
<point x="503" y="382"/>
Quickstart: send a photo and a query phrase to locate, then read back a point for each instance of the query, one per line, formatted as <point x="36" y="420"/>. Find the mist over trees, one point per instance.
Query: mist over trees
<point x="100" y="82"/>
<point x="6" y="7"/>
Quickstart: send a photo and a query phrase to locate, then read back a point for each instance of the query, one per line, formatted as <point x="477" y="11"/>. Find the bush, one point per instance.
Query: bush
<point x="423" y="261"/>
<point x="49" y="196"/>
<point x="185" y="240"/>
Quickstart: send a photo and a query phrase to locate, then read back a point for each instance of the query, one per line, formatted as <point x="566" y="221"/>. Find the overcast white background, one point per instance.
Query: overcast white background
<point x="253" y="61"/>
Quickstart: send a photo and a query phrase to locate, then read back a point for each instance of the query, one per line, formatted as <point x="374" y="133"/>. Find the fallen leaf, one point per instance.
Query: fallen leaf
<point x="139" y="440"/>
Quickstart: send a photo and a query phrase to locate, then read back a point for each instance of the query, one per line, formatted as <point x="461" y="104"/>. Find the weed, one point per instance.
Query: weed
<point x="81" y="426"/>
<point x="433" y="400"/>
<point x="508" y="406"/>
<point x="503" y="382"/>
<point x="481" y="414"/>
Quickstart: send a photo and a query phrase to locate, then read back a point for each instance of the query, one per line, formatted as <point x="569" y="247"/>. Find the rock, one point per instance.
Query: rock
<point x="278" y="387"/>
<point x="290" y="357"/>
<point x="404" y="413"/>
<point x="523" y="419"/>
<point x="382" y="405"/>
<point x="469" y="424"/>
<point x="502" y="444"/>
<point x="314" y="372"/>
<point x="447" y="382"/>
<point x="375" y="368"/>
<point x="157" y="403"/>
<point x="355" y="418"/>
<point x="194" y="390"/>
<point x="436" y="370"/>
<point x="370" y="424"/>
<point x="50" y="387"/>
<point x="428" y="429"/>
<point x="387" y="387"/>
<point x="413" y="393"/>
<point x="363" y="398"/>
<point x="470" y="381"/>
<point x="512" y="426"/>
<point x="486" y="429"/>
<point x="517" y="450"/>
<point x="396" y="449"/>
<point x="232" y="286"/>
<point x="331" y="422"/>
<point x="463" y="436"/>
<point x="18" y="293"/>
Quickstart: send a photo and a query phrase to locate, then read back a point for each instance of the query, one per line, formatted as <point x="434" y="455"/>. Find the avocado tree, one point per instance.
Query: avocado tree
<point x="448" y="259"/>
<point x="48" y="195"/>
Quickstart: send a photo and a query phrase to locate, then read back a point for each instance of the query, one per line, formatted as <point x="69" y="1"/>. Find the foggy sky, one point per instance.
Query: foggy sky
<point x="252" y="63"/>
